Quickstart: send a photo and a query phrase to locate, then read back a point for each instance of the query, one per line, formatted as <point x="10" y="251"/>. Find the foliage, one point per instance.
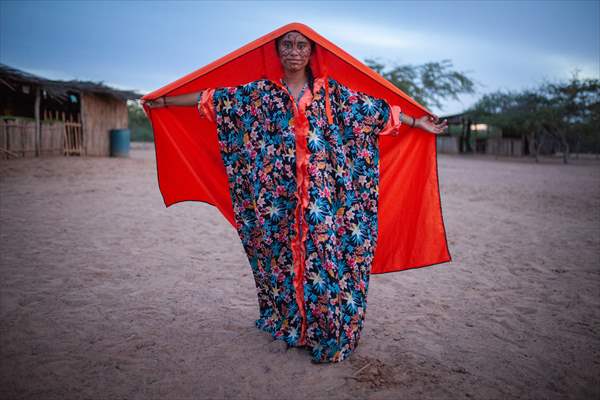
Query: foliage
<point x="429" y="84"/>
<point x="141" y="129"/>
<point x="576" y="106"/>
<point x="566" y="112"/>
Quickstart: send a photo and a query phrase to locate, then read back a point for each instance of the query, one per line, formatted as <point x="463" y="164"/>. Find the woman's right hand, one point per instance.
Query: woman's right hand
<point x="432" y="124"/>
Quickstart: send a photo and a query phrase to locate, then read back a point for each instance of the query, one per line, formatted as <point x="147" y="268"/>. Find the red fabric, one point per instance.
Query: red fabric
<point x="411" y="229"/>
<point x="394" y="123"/>
<point x="301" y="127"/>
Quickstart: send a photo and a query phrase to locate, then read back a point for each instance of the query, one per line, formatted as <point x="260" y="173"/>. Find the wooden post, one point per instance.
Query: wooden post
<point x="61" y="116"/>
<point x="38" y="126"/>
<point x="82" y="121"/>
<point x="80" y="134"/>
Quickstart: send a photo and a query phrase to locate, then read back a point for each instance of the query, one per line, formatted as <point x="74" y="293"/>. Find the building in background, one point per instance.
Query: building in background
<point x="466" y="135"/>
<point x="40" y="117"/>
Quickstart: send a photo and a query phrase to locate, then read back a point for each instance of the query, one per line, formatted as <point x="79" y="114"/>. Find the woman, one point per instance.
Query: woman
<point x="301" y="156"/>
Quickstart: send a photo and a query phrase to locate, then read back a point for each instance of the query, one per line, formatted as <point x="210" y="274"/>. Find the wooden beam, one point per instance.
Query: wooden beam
<point x="38" y="126"/>
<point x="2" y="149"/>
<point x="84" y="137"/>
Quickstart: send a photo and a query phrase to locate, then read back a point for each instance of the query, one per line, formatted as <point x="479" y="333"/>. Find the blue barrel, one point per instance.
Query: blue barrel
<point x="119" y="142"/>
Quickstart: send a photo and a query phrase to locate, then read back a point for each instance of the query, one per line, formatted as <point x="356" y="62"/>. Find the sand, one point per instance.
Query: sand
<point x="107" y="294"/>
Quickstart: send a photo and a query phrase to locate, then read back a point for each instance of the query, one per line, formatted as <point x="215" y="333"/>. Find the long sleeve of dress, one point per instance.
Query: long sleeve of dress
<point x="224" y="103"/>
<point x="206" y="105"/>
<point x="394" y="122"/>
<point x="368" y="114"/>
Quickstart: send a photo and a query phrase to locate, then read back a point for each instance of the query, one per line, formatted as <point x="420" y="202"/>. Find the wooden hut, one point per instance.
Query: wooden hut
<point x="41" y="117"/>
<point x="467" y="135"/>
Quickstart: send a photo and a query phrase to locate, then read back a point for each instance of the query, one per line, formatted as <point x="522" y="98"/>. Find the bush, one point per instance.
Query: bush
<point x="139" y="125"/>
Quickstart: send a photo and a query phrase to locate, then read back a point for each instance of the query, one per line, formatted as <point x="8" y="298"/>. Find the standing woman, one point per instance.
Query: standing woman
<point x="302" y="161"/>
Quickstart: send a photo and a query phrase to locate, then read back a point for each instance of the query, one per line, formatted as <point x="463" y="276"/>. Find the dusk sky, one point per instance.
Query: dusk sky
<point x="143" y="45"/>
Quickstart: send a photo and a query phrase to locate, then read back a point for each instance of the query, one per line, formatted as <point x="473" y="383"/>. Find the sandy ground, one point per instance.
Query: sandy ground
<point x="106" y="294"/>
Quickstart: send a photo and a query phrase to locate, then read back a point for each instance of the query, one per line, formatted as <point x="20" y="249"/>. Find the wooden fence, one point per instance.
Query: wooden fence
<point x="60" y="135"/>
<point x="73" y="133"/>
<point x="448" y="144"/>
<point x="17" y="139"/>
<point x="504" y="147"/>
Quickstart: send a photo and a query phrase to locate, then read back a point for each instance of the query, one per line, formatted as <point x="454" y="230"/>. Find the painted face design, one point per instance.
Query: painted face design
<point x="294" y="51"/>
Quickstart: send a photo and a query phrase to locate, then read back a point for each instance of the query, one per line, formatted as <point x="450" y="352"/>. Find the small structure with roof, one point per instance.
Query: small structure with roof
<point x="467" y="135"/>
<point x="40" y="116"/>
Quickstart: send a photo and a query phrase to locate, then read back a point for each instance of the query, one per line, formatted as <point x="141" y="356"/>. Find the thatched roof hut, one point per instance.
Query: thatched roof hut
<point x="40" y="116"/>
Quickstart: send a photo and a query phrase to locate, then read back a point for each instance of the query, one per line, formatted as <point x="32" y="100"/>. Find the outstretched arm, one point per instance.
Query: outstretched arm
<point x="201" y="99"/>
<point x="382" y="118"/>
<point x="397" y="118"/>
<point x="184" y="100"/>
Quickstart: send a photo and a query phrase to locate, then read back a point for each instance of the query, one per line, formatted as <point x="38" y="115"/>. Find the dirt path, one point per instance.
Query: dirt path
<point x="105" y="293"/>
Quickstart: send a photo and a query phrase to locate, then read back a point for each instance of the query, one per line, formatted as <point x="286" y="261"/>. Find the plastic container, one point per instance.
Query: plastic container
<point x="119" y="142"/>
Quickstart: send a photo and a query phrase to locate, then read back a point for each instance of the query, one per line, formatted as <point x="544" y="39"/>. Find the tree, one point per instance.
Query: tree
<point x="141" y="129"/>
<point x="429" y="84"/>
<point x="564" y="111"/>
<point x="576" y="106"/>
<point x="515" y="113"/>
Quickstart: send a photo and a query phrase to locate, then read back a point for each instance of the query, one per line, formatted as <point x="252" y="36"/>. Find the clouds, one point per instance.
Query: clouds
<point x="131" y="45"/>
<point x="562" y="65"/>
<point x="494" y="63"/>
<point x="367" y="35"/>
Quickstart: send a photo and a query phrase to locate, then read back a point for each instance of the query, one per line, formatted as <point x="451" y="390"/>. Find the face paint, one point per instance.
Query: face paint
<point x="294" y="51"/>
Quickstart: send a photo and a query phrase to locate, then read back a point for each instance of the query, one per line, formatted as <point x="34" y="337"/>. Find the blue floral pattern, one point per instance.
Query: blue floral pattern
<point x="255" y="125"/>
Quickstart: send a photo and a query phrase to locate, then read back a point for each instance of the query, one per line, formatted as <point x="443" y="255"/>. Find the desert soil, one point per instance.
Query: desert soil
<point x="107" y="294"/>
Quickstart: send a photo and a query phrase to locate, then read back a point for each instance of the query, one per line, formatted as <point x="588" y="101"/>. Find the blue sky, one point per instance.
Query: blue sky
<point x="144" y="45"/>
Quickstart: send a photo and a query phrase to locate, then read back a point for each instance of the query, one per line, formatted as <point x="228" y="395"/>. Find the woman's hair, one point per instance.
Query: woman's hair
<point x="311" y="79"/>
<point x="309" y="73"/>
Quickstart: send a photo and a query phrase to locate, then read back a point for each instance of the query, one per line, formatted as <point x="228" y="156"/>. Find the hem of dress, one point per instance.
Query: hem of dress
<point x="315" y="357"/>
<point x="273" y="332"/>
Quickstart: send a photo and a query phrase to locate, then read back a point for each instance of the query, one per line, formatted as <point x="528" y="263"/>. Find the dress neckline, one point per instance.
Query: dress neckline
<point x="297" y="99"/>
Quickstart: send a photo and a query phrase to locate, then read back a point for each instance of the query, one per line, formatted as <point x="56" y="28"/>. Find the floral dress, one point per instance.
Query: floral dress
<point x="304" y="177"/>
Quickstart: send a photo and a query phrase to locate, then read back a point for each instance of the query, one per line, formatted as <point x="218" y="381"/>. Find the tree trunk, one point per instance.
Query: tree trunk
<point x="565" y="146"/>
<point x="531" y="145"/>
<point x="538" y="145"/>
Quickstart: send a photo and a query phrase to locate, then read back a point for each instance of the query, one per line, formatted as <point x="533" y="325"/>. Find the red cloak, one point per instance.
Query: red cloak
<point x="411" y="231"/>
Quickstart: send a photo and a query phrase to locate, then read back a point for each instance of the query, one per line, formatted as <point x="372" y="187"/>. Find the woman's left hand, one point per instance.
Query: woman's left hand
<point x="430" y="124"/>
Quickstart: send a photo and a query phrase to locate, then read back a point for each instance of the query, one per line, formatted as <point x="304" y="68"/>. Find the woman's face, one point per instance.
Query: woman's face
<point x="294" y="51"/>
